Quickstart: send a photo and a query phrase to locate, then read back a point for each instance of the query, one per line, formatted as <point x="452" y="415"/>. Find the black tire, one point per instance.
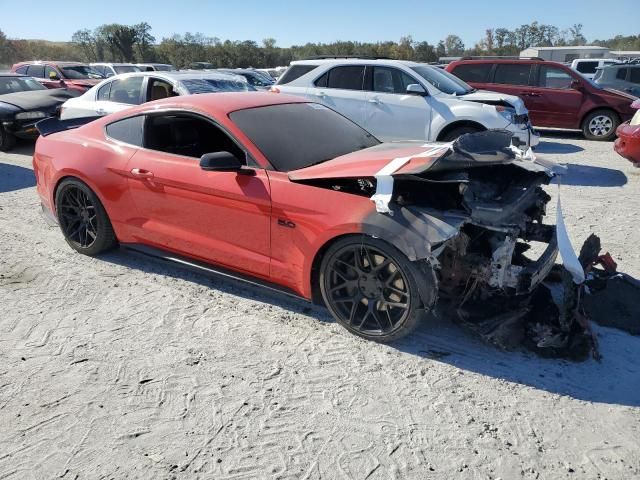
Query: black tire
<point x="600" y="125"/>
<point x="382" y="303"/>
<point x="82" y="218"/>
<point x="7" y="140"/>
<point x="459" y="131"/>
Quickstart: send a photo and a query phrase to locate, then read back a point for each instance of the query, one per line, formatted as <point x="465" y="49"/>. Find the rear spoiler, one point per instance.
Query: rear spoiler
<point x="54" y="125"/>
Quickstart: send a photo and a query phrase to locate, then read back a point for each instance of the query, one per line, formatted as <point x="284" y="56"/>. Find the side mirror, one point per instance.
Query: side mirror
<point x="109" y="74"/>
<point x="577" y="85"/>
<point x="220" y="162"/>
<point x="53" y="76"/>
<point x="416" y="89"/>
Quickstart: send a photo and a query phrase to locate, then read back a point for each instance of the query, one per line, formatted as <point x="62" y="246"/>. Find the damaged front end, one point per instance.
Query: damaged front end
<point x="491" y="270"/>
<point x="474" y="211"/>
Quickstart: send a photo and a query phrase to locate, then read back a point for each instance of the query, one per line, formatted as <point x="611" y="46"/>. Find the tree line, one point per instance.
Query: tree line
<point x="135" y="43"/>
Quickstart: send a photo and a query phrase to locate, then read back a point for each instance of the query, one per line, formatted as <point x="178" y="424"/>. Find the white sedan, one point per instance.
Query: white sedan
<point x="124" y="91"/>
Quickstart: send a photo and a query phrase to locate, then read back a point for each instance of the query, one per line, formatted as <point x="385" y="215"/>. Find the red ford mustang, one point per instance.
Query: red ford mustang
<point x="295" y="196"/>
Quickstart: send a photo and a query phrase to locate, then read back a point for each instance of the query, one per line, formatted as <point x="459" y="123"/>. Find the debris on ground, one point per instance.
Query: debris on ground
<point x="559" y="328"/>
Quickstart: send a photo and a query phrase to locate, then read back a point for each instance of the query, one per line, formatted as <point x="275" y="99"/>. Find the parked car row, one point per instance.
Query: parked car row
<point x="395" y="100"/>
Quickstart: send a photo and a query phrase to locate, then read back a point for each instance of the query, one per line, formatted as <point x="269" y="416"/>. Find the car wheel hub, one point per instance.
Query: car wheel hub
<point x="600" y="125"/>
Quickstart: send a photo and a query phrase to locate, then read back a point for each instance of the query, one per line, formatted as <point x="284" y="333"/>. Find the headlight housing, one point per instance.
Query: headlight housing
<point x="508" y="113"/>
<point x="30" y="115"/>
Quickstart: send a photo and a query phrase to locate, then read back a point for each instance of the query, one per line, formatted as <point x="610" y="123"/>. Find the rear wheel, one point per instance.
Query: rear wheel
<point x="82" y="218"/>
<point x="459" y="131"/>
<point x="600" y="125"/>
<point x="370" y="288"/>
<point x="7" y="140"/>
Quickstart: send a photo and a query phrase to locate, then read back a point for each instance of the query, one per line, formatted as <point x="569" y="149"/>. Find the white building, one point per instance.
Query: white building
<point x="566" y="54"/>
<point x="624" y="54"/>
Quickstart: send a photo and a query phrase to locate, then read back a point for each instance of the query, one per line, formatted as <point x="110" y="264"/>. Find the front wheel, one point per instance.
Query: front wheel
<point x="600" y="125"/>
<point x="82" y="218"/>
<point x="371" y="288"/>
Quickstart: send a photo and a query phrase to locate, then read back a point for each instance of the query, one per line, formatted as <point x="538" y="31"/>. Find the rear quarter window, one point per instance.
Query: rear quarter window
<point x="587" y="67"/>
<point x="470" y="72"/>
<point x="294" y="72"/>
<point x="22" y="69"/>
<point x="128" y="130"/>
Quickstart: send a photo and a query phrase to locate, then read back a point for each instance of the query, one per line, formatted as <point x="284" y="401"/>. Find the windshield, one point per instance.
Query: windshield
<point x="212" y="85"/>
<point x="297" y="135"/>
<point x="125" y="68"/>
<point x="80" y="72"/>
<point x="443" y="80"/>
<point x="19" y="84"/>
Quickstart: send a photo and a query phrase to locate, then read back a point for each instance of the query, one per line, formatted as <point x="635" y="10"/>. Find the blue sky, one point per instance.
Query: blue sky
<point x="299" y="21"/>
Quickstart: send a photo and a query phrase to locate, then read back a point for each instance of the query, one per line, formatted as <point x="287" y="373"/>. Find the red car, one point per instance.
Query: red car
<point x="295" y="196"/>
<point x="628" y="143"/>
<point x="555" y="95"/>
<point x="71" y="75"/>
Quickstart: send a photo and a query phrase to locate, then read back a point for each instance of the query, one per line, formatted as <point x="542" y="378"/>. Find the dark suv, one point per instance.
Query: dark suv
<point x="555" y="95"/>
<point x="625" y="77"/>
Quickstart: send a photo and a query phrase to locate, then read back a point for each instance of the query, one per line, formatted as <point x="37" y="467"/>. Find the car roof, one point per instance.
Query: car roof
<point x="51" y="62"/>
<point x="355" y="61"/>
<point x="181" y="75"/>
<point x="123" y="64"/>
<point x="220" y="104"/>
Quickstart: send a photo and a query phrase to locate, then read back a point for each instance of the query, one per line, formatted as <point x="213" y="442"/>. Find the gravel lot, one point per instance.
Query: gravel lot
<point x="126" y="367"/>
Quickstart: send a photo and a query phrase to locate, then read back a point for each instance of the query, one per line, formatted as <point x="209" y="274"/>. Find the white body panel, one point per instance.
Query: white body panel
<point x="402" y="116"/>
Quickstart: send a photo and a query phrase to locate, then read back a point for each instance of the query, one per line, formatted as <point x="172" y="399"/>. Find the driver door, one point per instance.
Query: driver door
<point x="218" y="217"/>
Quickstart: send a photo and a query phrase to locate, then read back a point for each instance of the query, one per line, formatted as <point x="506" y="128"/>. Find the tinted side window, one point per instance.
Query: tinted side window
<point x="473" y="72"/>
<point x="635" y="75"/>
<point x="553" y="77"/>
<point x="346" y="78"/>
<point x="512" y="74"/>
<point x="322" y="81"/>
<point x="587" y="67"/>
<point x="128" y="130"/>
<point x="22" y="69"/>
<point x="126" y="91"/>
<point x="621" y="74"/>
<point x="36" y="71"/>
<point x="294" y="72"/>
<point x="103" y="92"/>
<point x="187" y="136"/>
<point x="391" y="80"/>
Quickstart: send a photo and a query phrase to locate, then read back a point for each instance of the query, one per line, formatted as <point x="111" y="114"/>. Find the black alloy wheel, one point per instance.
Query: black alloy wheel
<point x="82" y="218"/>
<point x="370" y="289"/>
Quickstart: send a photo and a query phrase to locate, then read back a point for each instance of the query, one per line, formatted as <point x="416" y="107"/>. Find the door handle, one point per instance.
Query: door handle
<point x="321" y="94"/>
<point x="374" y="100"/>
<point x="101" y="111"/>
<point x="529" y="94"/>
<point x="141" y="173"/>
